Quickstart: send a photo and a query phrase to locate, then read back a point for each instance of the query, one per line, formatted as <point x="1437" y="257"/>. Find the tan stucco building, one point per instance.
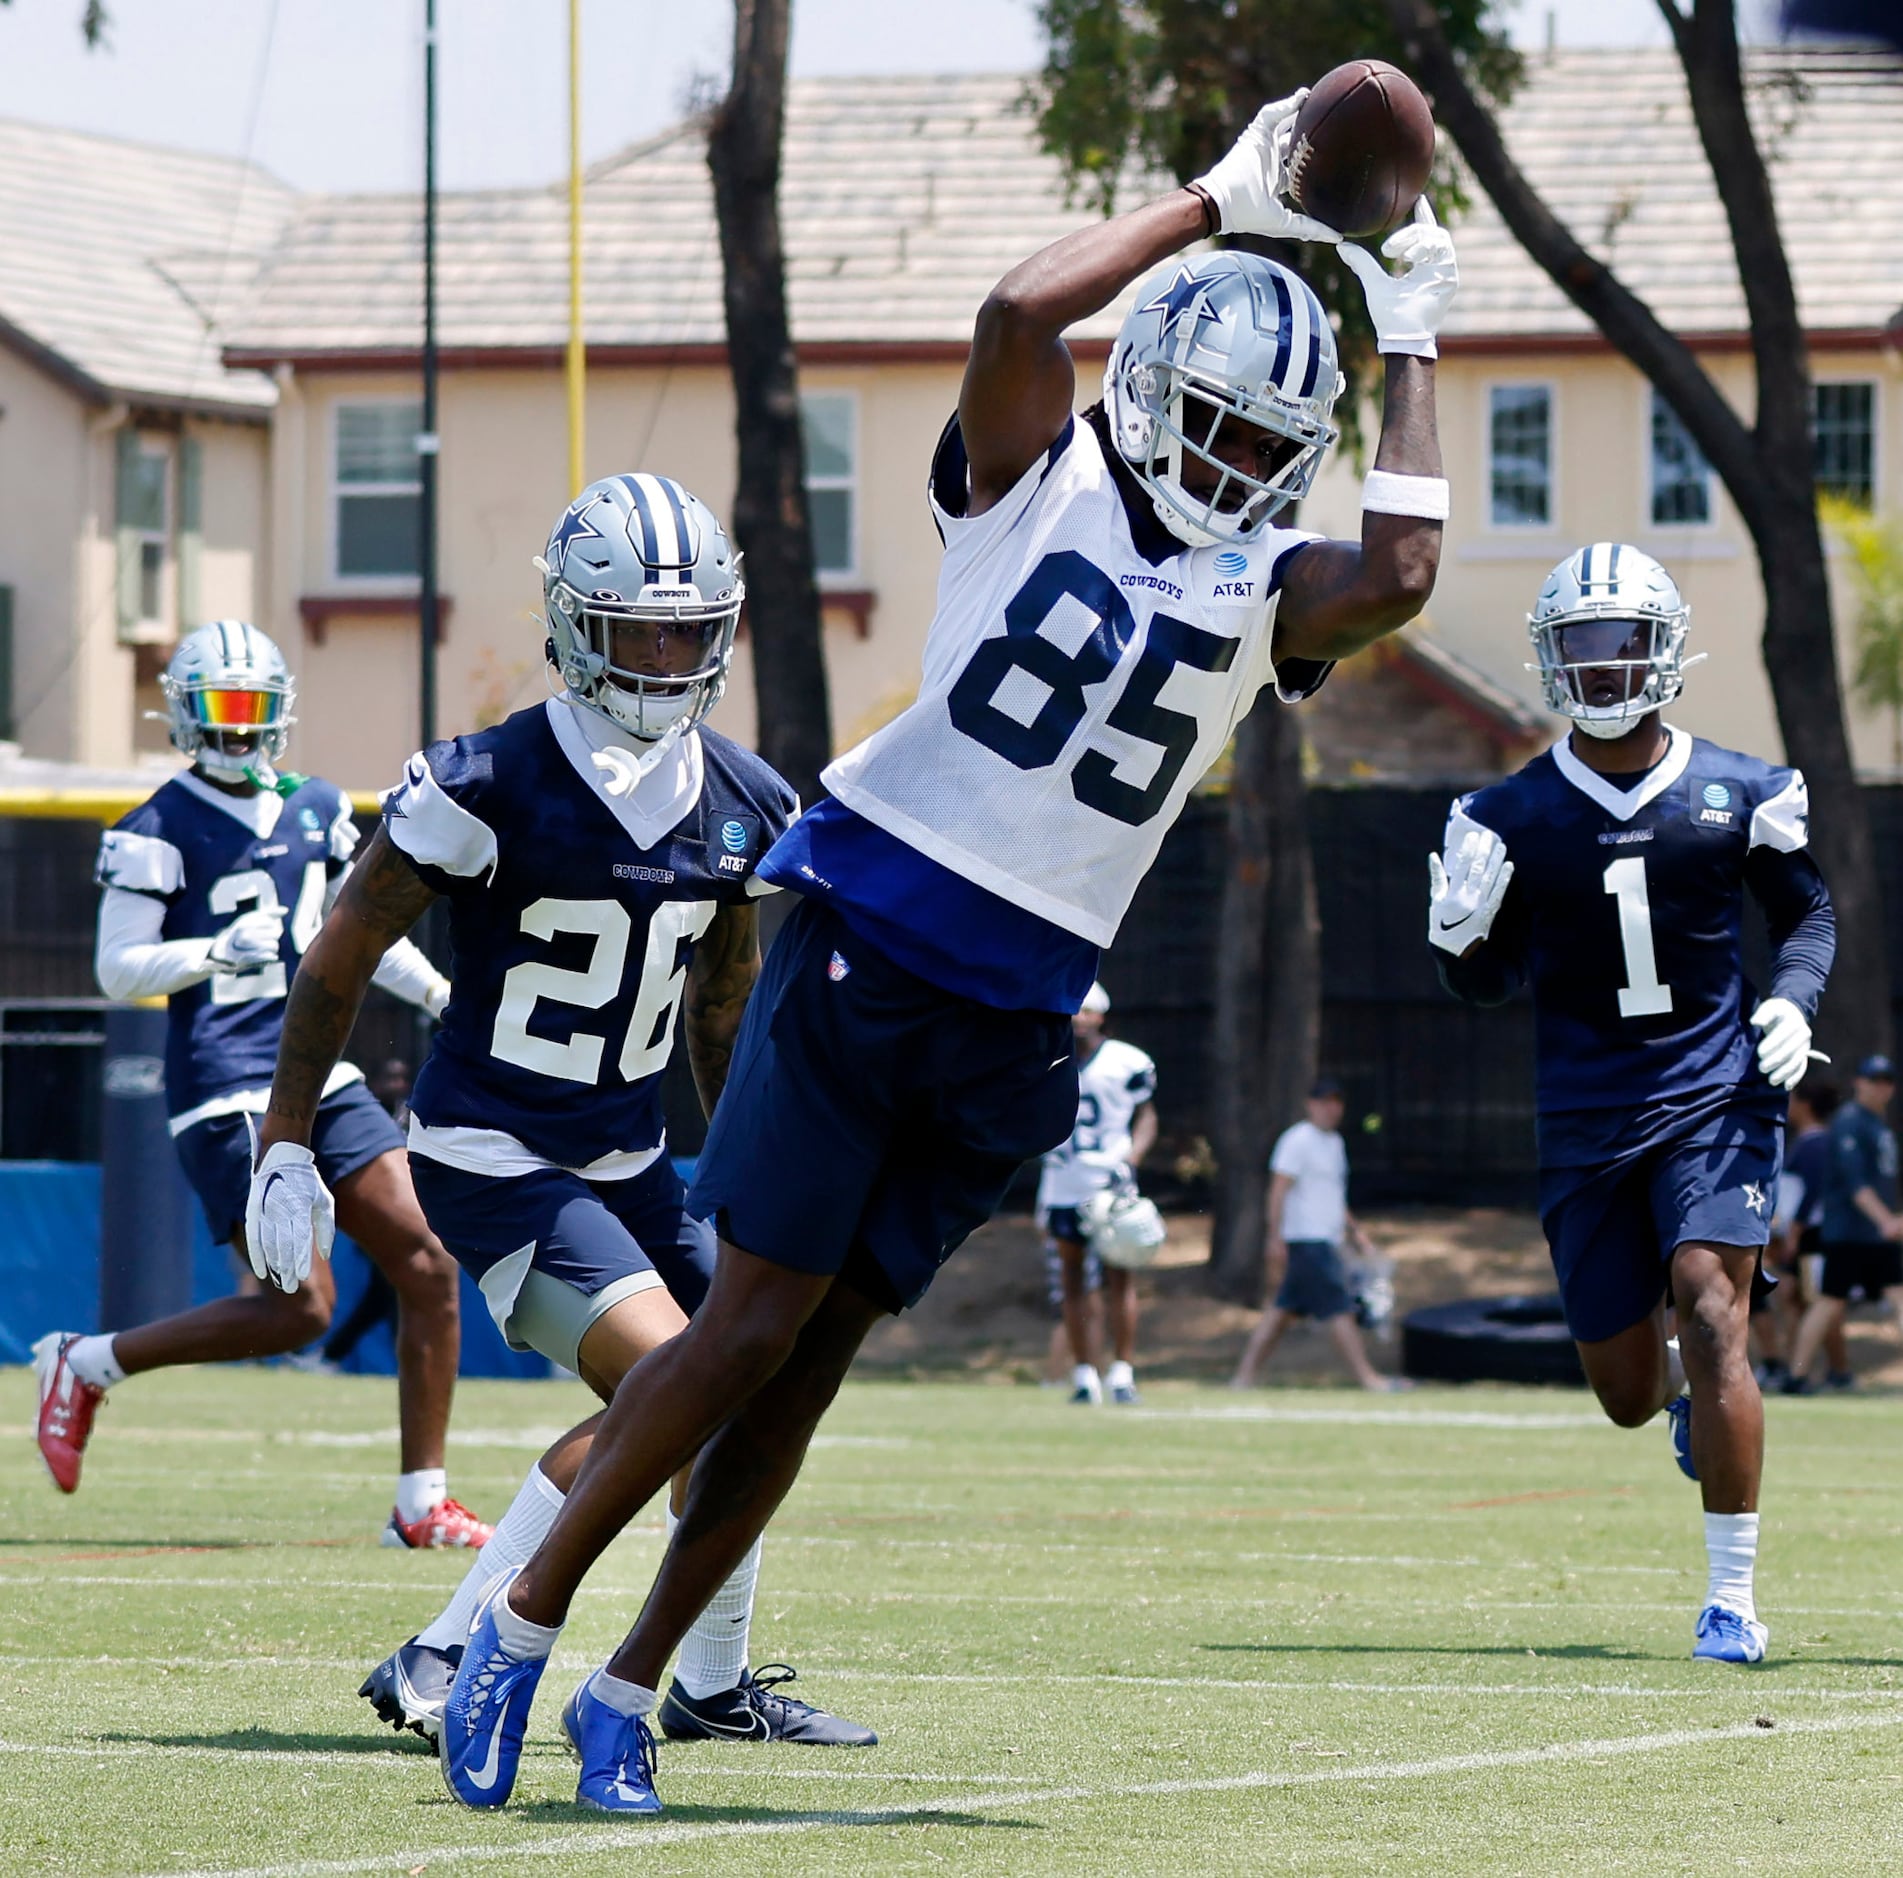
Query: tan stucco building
<point x="308" y="492"/>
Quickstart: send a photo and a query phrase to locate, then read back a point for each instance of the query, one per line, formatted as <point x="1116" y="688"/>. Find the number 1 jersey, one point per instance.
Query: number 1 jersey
<point x="1625" y="914"/>
<point x="574" y="911"/>
<point x="1082" y="672"/>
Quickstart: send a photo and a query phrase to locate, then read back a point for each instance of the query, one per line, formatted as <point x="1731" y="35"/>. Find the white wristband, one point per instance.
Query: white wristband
<point x="1384" y="492"/>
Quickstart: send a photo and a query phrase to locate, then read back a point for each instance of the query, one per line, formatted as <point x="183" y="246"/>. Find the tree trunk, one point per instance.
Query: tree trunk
<point x="771" y="522"/>
<point x="1268" y="987"/>
<point x="1767" y="469"/>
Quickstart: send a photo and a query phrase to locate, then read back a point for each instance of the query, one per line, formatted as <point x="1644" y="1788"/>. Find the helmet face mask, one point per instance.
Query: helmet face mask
<point x="229" y="696"/>
<point x="1609" y="633"/>
<point x="644" y="596"/>
<point x="1230" y="340"/>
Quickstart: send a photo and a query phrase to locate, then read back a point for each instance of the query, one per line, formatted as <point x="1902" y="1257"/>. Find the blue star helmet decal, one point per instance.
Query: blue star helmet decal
<point x="573" y="527"/>
<point x="1186" y="297"/>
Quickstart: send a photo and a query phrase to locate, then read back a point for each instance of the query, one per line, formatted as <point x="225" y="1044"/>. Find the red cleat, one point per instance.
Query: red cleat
<point x="447" y="1523"/>
<point x="67" y="1407"/>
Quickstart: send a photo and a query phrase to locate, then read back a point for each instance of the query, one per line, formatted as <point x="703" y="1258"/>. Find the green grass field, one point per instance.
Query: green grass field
<point x="1301" y="1632"/>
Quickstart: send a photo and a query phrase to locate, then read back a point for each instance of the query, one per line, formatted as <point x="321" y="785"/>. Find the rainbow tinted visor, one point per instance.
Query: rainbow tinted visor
<point x="214" y="707"/>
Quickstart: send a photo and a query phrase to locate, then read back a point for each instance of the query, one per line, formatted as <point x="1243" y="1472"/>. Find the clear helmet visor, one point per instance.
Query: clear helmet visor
<point x="1606" y="662"/>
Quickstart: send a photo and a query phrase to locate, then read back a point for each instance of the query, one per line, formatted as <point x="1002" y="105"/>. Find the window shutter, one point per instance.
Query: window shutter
<point x="191" y="471"/>
<point x="126" y="537"/>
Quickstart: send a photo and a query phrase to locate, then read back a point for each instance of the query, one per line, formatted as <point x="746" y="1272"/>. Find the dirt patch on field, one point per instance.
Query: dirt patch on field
<point x="987" y="1313"/>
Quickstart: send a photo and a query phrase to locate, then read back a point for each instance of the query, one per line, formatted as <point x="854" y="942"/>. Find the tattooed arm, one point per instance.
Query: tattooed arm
<point x="726" y="962"/>
<point x="1339" y="595"/>
<point x="381" y="900"/>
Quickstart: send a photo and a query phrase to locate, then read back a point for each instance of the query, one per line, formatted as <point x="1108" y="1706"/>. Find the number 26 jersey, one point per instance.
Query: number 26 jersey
<point x="1625" y="913"/>
<point x="574" y="913"/>
<point x="1077" y="684"/>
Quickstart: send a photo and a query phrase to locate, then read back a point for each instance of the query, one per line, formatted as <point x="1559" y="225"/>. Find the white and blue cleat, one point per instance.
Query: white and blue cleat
<point x="1678" y="1414"/>
<point x="1723" y="1636"/>
<point x="616" y="1752"/>
<point x="486" y="1715"/>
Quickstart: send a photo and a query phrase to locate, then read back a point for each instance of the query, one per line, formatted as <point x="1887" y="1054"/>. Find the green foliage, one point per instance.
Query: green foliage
<point x="1167" y="85"/>
<point x="1875" y="545"/>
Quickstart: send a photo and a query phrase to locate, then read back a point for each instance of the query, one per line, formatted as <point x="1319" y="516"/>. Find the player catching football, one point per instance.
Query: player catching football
<point x="1115" y="593"/>
<point x="1610" y="874"/>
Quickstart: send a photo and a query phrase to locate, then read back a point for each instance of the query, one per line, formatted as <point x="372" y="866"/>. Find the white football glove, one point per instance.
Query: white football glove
<point x="436" y="998"/>
<point x="250" y="941"/>
<point x="1407" y="308"/>
<point x="288" y="1210"/>
<point x="1465" y="893"/>
<point x="1246" y="186"/>
<point x="1784" y="1051"/>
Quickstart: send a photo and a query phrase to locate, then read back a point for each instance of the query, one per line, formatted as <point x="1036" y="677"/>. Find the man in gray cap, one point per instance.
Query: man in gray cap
<point x="1861" y="1224"/>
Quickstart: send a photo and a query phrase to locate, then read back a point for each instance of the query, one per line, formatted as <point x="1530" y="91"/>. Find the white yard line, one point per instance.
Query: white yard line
<point x="655" y="1836"/>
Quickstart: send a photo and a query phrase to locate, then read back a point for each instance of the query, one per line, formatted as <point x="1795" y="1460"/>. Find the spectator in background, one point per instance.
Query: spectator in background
<point x="1308" y="1223"/>
<point x="1116" y="1128"/>
<point x="391" y="1086"/>
<point x="1861" y="1225"/>
<point x="1795" y="1235"/>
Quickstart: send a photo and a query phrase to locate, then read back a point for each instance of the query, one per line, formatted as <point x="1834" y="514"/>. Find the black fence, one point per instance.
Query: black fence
<point x="1440" y="1095"/>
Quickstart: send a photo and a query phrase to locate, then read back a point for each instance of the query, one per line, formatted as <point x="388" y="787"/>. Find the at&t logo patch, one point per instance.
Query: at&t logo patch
<point x="733" y="837"/>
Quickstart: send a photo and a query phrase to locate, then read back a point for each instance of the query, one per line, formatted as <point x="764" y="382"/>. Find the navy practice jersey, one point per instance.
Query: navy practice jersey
<point x="197" y="850"/>
<point x="1625" y="913"/>
<point x="569" y="938"/>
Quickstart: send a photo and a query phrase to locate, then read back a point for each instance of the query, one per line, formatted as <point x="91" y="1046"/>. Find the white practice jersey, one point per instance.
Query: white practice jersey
<point x="1074" y="689"/>
<point x="1111" y="1087"/>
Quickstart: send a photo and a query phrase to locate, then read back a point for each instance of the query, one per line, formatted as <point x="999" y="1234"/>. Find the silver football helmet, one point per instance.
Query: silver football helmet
<point x="1212" y="338"/>
<point x="1609" y="633"/>
<point x="228" y="696"/>
<point x="644" y="593"/>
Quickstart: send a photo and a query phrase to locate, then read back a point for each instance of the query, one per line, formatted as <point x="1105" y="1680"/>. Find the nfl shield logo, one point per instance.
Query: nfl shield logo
<point x="836" y="968"/>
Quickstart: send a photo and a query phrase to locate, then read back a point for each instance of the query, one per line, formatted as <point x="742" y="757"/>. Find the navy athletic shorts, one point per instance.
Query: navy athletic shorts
<point x="872" y="1121"/>
<point x="585" y="1234"/>
<point x="350" y="1130"/>
<point x="1315" y="1283"/>
<point x="1613" y="1228"/>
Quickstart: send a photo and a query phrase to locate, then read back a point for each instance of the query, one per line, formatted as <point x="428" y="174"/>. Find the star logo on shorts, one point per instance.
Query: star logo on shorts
<point x="1754" y="1196"/>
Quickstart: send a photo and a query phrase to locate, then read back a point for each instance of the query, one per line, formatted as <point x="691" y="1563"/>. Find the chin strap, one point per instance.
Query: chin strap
<point x="622" y="770"/>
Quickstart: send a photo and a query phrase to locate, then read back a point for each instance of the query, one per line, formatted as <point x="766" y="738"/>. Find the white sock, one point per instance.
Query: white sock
<point x="1731" y="1546"/>
<point x="1084" y="1376"/>
<point x="1674" y="1367"/>
<point x="91" y="1360"/>
<point x="420" y="1493"/>
<point x="526" y="1642"/>
<point x="518" y="1532"/>
<point x="1120" y="1376"/>
<point x="625" y="1698"/>
<point x="714" y="1652"/>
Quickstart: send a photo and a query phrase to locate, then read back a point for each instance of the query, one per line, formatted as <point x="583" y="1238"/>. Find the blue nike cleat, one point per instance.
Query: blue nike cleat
<point x="1678" y="1412"/>
<point x="616" y="1752"/>
<point x="758" y="1711"/>
<point x="486" y="1715"/>
<point x="1723" y="1636"/>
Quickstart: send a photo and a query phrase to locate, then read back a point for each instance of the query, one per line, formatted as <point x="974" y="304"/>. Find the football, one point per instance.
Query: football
<point x="1363" y="144"/>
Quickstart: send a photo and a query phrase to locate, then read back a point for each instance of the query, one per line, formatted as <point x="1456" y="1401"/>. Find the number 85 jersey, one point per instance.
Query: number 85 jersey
<point x="575" y="906"/>
<point x="1625" y="913"/>
<point x="1083" y="670"/>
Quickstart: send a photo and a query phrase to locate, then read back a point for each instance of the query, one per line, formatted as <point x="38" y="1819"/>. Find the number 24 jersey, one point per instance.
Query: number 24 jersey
<point x="1626" y="913"/>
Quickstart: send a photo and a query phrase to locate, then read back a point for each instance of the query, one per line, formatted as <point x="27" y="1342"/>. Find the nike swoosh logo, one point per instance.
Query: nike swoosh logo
<point x="756" y="1729"/>
<point x="484" y="1775"/>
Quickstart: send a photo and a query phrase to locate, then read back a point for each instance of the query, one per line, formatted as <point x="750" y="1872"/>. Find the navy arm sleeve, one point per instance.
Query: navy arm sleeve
<point x="1496" y="968"/>
<point x="1802" y="926"/>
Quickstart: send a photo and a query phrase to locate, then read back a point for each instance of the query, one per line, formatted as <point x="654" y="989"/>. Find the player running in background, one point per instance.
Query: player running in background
<point x="598" y="854"/>
<point x="212" y="891"/>
<point x="1115" y="1129"/>
<point x="1114" y="594"/>
<point x="1610" y="874"/>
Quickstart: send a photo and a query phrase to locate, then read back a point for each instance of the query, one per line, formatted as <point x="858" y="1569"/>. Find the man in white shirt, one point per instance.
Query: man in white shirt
<point x="1116" y="1128"/>
<point x="1308" y="1221"/>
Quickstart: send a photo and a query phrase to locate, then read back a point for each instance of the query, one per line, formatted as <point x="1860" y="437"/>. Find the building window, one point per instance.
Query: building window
<point x="1520" y="436"/>
<point x="1681" y="478"/>
<point x="379" y="485"/>
<point x="147" y="517"/>
<point x="1844" y="440"/>
<point x="829" y="421"/>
